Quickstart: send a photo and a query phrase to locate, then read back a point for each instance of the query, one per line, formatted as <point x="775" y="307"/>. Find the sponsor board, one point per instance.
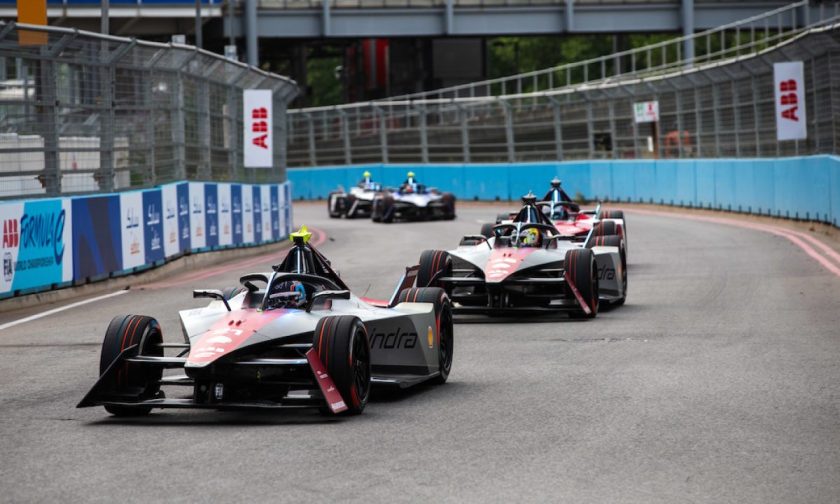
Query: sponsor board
<point x="258" y="128"/>
<point x="132" y="230"/>
<point x="97" y="237"/>
<point x="224" y="213"/>
<point x="789" y="86"/>
<point x="265" y="200"/>
<point x="236" y="213"/>
<point x="171" y="238"/>
<point x="247" y="213"/>
<point x="211" y="215"/>
<point x="198" y="232"/>
<point x="275" y="212"/>
<point x="37" y="244"/>
<point x="153" y="225"/>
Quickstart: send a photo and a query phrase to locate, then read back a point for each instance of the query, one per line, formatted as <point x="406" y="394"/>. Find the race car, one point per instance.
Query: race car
<point x="526" y="265"/>
<point x="413" y="201"/>
<point x="564" y="214"/>
<point x="358" y="202"/>
<point x="292" y="337"/>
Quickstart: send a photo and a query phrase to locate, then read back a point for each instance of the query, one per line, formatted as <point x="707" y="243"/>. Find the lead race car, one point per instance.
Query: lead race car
<point x="526" y="265"/>
<point x="292" y="337"/>
<point x="413" y="201"/>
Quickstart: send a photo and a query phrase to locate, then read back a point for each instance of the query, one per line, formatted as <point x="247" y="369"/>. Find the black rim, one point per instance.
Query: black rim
<point x="361" y="366"/>
<point x="445" y="342"/>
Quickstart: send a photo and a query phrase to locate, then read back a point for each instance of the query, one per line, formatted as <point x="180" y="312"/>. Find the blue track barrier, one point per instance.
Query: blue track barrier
<point x="799" y="187"/>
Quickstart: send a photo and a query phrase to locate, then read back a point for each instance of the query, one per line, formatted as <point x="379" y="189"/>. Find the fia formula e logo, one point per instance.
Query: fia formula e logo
<point x="8" y="267"/>
<point x="11" y="234"/>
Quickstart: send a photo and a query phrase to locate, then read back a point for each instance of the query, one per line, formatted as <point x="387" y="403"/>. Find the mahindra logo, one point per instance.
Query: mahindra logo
<point x="260" y="125"/>
<point x="11" y="234"/>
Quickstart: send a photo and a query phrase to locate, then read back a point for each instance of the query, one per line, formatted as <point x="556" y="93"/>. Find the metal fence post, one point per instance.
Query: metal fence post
<point x="613" y="149"/>
<point x="424" y="135"/>
<point x="150" y="176"/>
<point x="178" y="137"/>
<point x="106" y="125"/>
<point x="509" y="137"/>
<point x="465" y="134"/>
<point x="558" y="128"/>
<point x="205" y="156"/>
<point x="345" y="135"/>
<point x="698" y="122"/>
<point x="590" y="142"/>
<point x="310" y="133"/>
<point x="383" y="134"/>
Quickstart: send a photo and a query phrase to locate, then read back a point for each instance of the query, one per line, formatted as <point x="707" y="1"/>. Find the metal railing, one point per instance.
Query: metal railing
<point x="82" y="112"/>
<point x="719" y="103"/>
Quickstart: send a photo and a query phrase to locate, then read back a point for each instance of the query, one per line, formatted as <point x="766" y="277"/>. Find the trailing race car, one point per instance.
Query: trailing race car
<point x="564" y="214"/>
<point x="292" y="337"/>
<point x="356" y="203"/>
<point x="413" y="201"/>
<point x="527" y="265"/>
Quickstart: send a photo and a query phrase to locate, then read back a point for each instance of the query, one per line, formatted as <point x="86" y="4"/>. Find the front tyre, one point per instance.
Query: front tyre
<point x="344" y="349"/>
<point x="434" y="264"/>
<point x="132" y="381"/>
<point x="335" y="205"/>
<point x="445" y="340"/>
<point x="582" y="273"/>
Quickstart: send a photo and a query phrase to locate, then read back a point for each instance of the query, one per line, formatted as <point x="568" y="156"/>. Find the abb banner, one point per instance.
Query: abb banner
<point x="259" y="147"/>
<point x="789" y="82"/>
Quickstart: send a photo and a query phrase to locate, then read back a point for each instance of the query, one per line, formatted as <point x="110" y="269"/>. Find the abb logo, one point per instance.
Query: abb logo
<point x="260" y="125"/>
<point x="11" y="234"/>
<point x="789" y="99"/>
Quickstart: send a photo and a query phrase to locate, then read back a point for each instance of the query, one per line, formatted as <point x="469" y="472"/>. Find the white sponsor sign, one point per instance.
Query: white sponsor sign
<point x="169" y="196"/>
<point x="281" y="208"/>
<point x="646" y="112"/>
<point x="225" y="213"/>
<point x="789" y="84"/>
<point x="259" y="147"/>
<point x="197" y="220"/>
<point x="247" y="213"/>
<point x="131" y="224"/>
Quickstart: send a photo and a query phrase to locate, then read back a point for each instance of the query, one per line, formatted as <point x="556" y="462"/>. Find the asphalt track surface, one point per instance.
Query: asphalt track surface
<point x="719" y="381"/>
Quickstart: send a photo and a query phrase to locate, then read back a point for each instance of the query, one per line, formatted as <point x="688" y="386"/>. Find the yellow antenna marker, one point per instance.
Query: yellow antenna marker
<point x="301" y="236"/>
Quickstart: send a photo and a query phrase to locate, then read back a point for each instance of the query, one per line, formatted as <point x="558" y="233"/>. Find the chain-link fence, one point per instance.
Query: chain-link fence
<point x="717" y="103"/>
<point x="82" y="112"/>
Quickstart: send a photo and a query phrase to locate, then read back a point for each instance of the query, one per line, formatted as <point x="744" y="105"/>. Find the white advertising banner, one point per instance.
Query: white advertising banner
<point x="197" y="219"/>
<point x="281" y="208"/>
<point x="247" y="214"/>
<point x="789" y="85"/>
<point x="646" y="112"/>
<point x="169" y="195"/>
<point x="258" y="141"/>
<point x="225" y="220"/>
<point x="131" y="225"/>
<point x="265" y="200"/>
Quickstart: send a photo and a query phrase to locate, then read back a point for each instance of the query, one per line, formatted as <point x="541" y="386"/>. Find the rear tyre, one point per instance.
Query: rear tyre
<point x="344" y="349"/>
<point x="348" y="202"/>
<point x="449" y="202"/>
<point x="616" y="241"/>
<point x="433" y="263"/>
<point x="443" y="316"/>
<point x="583" y="273"/>
<point x="132" y="381"/>
<point x="612" y="214"/>
<point x="487" y="230"/>
<point x="605" y="228"/>
<point x="335" y="205"/>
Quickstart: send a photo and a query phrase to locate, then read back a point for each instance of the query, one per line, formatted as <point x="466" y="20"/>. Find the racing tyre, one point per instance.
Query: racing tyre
<point x="583" y="274"/>
<point x="433" y="263"/>
<point x="487" y="230"/>
<point x="616" y="241"/>
<point x="349" y="202"/>
<point x="132" y="381"/>
<point x="334" y="205"/>
<point x="343" y="346"/>
<point x="383" y="209"/>
<point x="449" y="201"/>
<point x="604" y="228"/>
<point x="443" y="317"/>
<point x="612" y="214"/>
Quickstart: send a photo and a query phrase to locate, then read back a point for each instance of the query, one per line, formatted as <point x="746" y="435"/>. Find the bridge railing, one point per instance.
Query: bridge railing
<point x="82" y="112"/>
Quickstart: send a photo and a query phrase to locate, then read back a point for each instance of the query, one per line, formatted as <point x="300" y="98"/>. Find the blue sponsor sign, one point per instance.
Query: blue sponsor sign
<point x="236" y="212"/>
<point x="275" y="213"/>
<point x="211" y="214"/>
<point x="97" y="239"/>
<point x="153" y="225"/>
<point x="41" y="247"/>
<point x="184" y="216"/>
<point x="257" y="205"/>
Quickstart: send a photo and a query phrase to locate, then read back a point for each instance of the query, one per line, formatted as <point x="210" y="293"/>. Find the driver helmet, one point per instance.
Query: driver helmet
<point x="410" y="175"/>
<point x="290" y="286"/>
<point x="530" y="238"/>
<point x="555" y="183"/>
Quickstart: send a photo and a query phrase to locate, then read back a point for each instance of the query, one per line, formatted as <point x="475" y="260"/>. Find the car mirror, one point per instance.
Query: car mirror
<point x="213" y="294"/>
<point x="327" y="294"/>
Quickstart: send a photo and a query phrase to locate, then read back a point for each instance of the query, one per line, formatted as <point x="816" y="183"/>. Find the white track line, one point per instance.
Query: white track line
<point x="60" y="309"/>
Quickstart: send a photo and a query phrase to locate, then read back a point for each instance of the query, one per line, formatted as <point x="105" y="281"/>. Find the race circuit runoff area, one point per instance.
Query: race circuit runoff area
<point x="716" y="382"/>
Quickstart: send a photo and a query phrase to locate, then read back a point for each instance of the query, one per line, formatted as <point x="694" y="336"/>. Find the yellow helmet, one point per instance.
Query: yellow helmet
<point x="530" y="237"/>
<point x="411" y="174"/>
<point x="366" y="174"/>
